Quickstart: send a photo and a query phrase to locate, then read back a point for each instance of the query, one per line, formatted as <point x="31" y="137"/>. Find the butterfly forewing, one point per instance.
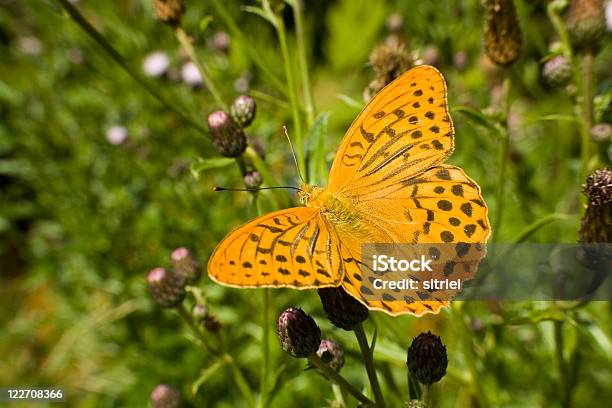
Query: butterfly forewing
<point x="295" y="248"/>
<point x="403" y="131"/>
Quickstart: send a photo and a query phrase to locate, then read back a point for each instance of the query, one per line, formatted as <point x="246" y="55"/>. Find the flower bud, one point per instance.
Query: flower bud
<point x="331" y="353"/>
<point x="199" y="312"/>
<point x="190" y="74"/>
<point x="165" y="396"/>
<point x="227" y="136"/>
<point x="252" y="180"/>
<point x="586" y="23"/>
<point x="185" y="265"/>
<point x="389" y="61"/>
<point x="342" y="309"/>
<point x="298" y="333"/>
<point x="243" y="110"/>
<point x="601" y="132"/>
<point x="165" y="287"/>
<point x="212" y="324"/>
<point x="427" y="360"/>
<point x="502" y="34"/>
<point x="557" y="71"/>
<point x="596" y="225"/>
<point x="220" y="42"/>
<point x="415" y="404"/>
<point x="169" y="11"/>
<point x="156" y="64"/>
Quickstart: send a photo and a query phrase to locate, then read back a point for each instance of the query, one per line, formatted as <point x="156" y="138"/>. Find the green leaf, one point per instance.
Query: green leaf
<point x="205" y="374"/>
<point x="477" y="117"/>
<point x="205" y="22"/>
<point x="317" y="167"/>
<point x="200" y="164"/>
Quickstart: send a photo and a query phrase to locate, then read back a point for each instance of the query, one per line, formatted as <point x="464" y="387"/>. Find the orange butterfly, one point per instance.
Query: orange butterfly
<point x="386" y="184"/>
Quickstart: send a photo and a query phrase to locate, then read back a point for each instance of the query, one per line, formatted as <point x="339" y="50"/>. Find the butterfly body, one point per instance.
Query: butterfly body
<point x="387" y="184"/>
<point x="338" y="209"/>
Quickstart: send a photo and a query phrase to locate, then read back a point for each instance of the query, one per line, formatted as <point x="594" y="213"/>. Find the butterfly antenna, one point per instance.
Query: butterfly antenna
<point x="294" y="156"/>
<point x="253" y="189"/>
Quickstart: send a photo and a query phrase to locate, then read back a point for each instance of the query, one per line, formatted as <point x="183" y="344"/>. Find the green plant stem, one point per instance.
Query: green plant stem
<point x="298" y="17"/>
<point x="468" y="351"/>
<point x="185" y="42"/>
<point x="265" y="347"/>
<point x="255" y="57"/>
<point x="427" y="396"/>
<point x="559" y="25"/>
<point x="368" y="359"/>
<point x="338" y="397"/>
<point x="293" y="98"/>
<point x="587" y="113"/>
<point x="78" y="18"/>
<point x="239" y="379"/>
<point x="563" y="378"/>
<point x="338" y="379"/>
<point x="503" y="160"/>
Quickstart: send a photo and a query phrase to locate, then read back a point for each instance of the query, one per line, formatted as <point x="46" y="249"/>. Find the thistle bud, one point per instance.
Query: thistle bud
<point x="220" y="42"/>
<point x="169" y="11"/>
<point x="165" y="287"/>
<point x="165" y="396"/>
<point x="586" y="23"/>
<point x="427" y="360"/>
<point x="557" y="71"/>
<point x="415" y="404"/>
<point x="227" y="136"/>
<point x="502" y="34"/>
<point x="199" y="312"/>
<point x="342" y="309"/>
<point x="185" y="265"/>
<point x="252" y="179"/>
<point x="597" y="221"/>
<point x="243" y="110"/>
<point x="332" y="354"/>
<point x="298" y="333"/>
<point x="601" y="132"/>
<point x="212" y="324"/>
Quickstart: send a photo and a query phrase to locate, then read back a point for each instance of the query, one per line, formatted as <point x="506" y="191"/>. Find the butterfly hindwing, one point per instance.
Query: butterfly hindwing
<point x="402" y="132"/>
<point x="295" y="247"/>
<point x="442" y="211"/>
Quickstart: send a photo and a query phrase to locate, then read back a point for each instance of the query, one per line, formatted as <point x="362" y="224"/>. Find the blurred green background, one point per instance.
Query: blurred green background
<point x="96" y="189"/>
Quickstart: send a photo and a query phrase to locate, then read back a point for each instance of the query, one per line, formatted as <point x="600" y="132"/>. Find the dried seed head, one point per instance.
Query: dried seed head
<point x="389" y="60"/>
<point x="342" y="309"/>
<point x="427" y="360"/>
<point x="165" y="396"/>
<point x="227" y="136"/>
<point x="166" y="288"/>
<point x="243" y="110"/>
<point x="586" y="23"/>
<point x="186" y="266"/>
<point x="169" y="11"/>
<point x="601" y="132"/>
<point x="331" y="353"/>
<point x="558" y="71"/>
<point x="298" y="333"/>
<point x="598" y="188"/>
<point x="502" y="34"/>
